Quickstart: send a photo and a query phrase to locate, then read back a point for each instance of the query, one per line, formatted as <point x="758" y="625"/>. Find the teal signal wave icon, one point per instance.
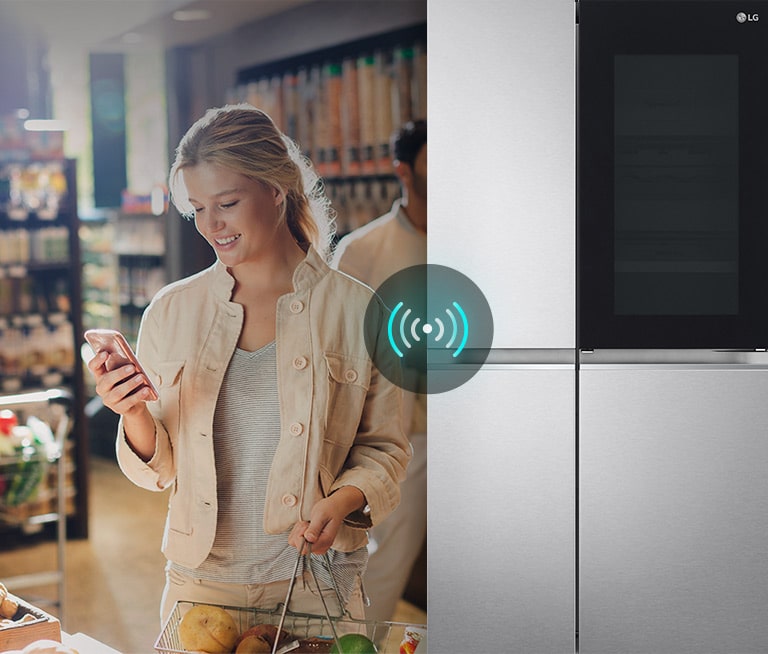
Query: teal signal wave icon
<point x="409" y="327"/>
<point x="428" y="328"/>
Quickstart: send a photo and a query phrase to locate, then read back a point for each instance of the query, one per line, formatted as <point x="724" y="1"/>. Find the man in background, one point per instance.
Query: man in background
<point x="372" y="254"/>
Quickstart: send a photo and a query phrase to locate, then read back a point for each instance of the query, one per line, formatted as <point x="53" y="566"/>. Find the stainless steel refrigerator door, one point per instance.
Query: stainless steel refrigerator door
<point x="501" y="531"/>
<point x="501" y="521"/>
<point x="502" y="160"/>
<point x="673" y="517"/>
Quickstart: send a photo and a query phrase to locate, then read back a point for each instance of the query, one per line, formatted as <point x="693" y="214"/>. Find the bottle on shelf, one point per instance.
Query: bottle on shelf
<point x="341" y="105"/>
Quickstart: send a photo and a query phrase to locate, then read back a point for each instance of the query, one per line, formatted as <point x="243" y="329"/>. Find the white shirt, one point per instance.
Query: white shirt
<point x="378" y="250"/>
<point x="373" y="253"/>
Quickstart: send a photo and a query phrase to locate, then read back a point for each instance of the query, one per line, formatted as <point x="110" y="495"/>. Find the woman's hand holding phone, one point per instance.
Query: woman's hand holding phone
<point x="124" y="387"/>
<point x="121" y="382"/>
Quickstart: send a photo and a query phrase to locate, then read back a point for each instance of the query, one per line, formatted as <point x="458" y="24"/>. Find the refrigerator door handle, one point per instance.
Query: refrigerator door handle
<point x="550" y="358"/>
<point x="678" y="359"/>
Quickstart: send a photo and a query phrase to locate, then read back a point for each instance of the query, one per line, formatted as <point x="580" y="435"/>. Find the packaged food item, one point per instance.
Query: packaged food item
<point x="414" y="640"/>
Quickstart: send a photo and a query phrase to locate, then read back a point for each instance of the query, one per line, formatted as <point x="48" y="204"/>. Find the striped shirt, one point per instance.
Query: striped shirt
<point x="246" y="427"/>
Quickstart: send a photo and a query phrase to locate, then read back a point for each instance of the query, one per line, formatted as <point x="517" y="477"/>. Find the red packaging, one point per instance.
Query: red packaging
<point x="412" y="639"/>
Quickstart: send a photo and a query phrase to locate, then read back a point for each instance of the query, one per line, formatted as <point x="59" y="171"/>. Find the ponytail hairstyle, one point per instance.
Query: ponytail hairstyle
<point x="245" y="140"/>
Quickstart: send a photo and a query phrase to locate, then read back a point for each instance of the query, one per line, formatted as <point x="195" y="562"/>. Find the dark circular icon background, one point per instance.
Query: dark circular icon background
<point x="434" y="331"/>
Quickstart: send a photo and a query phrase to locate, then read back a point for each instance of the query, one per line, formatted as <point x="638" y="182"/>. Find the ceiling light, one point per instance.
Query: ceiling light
<point x="191" y="14"/>
<point x="131" y="37"/>
<point x="45" y="126"/>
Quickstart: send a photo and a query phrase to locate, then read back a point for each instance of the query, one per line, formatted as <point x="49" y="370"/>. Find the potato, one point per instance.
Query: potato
<point x="207" y="628"/>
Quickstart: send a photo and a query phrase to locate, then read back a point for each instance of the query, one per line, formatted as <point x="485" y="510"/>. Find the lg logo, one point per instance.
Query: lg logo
<point x="747" y="18"/>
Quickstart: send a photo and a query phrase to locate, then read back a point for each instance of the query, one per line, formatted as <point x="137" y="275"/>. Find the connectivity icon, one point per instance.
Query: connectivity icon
<point x="427" y="328"/>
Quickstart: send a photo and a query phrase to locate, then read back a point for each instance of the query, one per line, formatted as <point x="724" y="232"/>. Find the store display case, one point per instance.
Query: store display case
<point x="40" y="297"/>
<point x="123" y="257"/>
<point x="32" y="625"/>
<point x="140" y="250"/>
<point x="97" y="240"/>
<point x="37" y="484"/>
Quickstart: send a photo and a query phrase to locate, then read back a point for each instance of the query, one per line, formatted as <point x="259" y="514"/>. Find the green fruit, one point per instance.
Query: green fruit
<point x="354" y="644"/>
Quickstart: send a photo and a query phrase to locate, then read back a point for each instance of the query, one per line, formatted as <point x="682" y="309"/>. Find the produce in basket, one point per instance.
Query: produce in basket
<point x="259" y="638"/>
<point x="354" y="644"/>
<point x="207" y="628"/>
<point x="253" y="645"/>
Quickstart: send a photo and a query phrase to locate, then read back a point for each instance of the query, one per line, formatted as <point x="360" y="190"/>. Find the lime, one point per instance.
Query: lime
<point x="354" y="644"/>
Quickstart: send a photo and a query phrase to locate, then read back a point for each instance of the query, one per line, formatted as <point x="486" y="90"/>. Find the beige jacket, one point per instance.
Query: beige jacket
<point x="338" y="413"/>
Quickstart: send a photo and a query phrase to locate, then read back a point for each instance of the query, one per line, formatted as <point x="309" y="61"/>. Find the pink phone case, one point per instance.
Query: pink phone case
<point x="116" y="344"/>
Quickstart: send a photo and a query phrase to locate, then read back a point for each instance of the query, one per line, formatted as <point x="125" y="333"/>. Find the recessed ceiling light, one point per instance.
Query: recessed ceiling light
<point x="191" y="14"/>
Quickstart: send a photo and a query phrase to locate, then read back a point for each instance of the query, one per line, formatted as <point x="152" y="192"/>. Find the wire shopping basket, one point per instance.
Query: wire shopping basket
<point x="315" y="630"/>
<point x="306" y="632"/>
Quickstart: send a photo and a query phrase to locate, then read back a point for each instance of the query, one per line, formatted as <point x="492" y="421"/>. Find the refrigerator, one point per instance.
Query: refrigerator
<point x="598" y="485"/>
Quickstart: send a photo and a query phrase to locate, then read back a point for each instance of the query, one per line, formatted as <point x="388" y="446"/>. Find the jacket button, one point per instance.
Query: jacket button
<point x="296" y="428"/>
<point x="300" y="363"/>
<point x="289" y="500"/>
<point x="350" y="375"/>
<point x="297" y="306"/>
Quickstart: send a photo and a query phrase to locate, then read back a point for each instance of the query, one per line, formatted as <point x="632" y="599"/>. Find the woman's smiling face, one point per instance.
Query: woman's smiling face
<point x="238" y="216"/>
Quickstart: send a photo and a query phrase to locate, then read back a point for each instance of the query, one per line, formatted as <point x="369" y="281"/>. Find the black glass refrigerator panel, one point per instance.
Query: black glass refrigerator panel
<point x="672" y="174"/>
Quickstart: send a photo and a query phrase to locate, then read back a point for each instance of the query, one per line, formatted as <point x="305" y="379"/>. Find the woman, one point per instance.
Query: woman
<point x="272" y="426"/>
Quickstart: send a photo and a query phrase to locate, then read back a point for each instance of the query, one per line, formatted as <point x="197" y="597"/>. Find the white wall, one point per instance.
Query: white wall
<point x="146" y="120"/>
<point x="71" y="99"/>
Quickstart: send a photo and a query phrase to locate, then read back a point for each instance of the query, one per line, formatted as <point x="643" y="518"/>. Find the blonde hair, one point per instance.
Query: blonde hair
<point x="246" y="140"/>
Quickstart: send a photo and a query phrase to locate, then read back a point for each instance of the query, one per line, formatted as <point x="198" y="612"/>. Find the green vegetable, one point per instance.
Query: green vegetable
<point x="26" y="478"/>
<point x="354" y="644"/>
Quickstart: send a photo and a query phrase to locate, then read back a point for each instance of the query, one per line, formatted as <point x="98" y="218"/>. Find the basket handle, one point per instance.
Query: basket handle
<point x="292" y="583"/>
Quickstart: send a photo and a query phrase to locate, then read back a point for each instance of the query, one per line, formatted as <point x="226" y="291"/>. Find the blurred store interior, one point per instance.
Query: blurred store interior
<point x="94" y="96"/>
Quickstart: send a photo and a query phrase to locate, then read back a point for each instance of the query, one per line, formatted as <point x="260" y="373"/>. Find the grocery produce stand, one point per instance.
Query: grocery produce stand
<point x="21" y="479"/>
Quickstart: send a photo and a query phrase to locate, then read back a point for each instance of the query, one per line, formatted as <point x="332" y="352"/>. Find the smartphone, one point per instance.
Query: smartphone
<point x="115" y="343"/>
